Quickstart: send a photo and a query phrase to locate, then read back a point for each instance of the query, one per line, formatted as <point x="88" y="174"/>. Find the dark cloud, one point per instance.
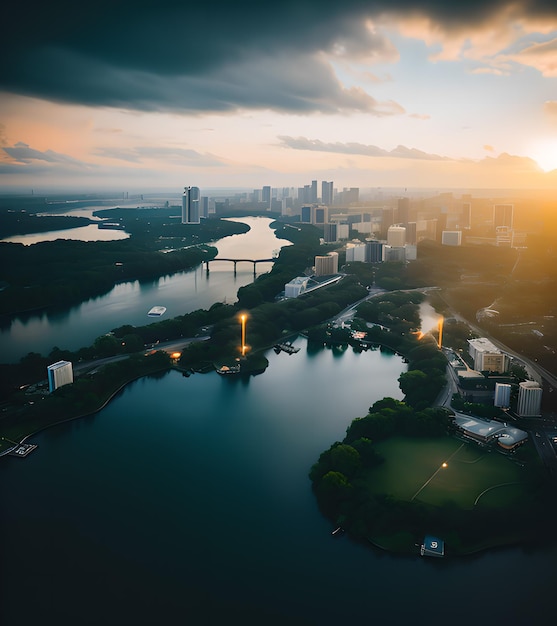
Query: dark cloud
<point x="219" y="56"/>
<point x="400" y="152"/>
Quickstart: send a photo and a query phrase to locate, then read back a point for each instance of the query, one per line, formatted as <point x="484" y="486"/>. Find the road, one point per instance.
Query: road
<point x="85" y="367"/>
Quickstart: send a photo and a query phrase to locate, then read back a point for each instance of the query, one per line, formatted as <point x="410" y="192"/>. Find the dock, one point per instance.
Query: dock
<point x="285" y="347"/>
<point x="23" y="450"/>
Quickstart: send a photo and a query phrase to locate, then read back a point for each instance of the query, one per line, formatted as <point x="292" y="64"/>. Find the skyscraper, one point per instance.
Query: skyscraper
<point x="327" y="192"/>
<point x="266" y="196"/>
<point x="503" y="215"/>
<point x="190" y="205"/>
<point x="529" y="399"/>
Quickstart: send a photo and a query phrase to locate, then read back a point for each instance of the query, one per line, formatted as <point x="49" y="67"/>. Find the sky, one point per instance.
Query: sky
<point x="143" y="95"/>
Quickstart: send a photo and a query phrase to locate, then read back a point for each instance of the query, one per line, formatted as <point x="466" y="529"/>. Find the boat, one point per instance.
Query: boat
<point x="338" y="531"/>
<point x="157" y="311"/>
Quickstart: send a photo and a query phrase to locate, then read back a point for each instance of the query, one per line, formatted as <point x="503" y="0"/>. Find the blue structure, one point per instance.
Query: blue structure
<point x="432" y="546"/>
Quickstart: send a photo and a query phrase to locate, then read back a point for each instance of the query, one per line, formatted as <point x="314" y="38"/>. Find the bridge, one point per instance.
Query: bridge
<point x="236" y="261"/>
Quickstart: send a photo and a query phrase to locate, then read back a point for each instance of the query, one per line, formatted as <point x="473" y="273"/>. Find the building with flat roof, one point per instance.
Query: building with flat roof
<point x="487" y="357"/>
<point x="296" y="287"/>
<point x="326" y="265"/>
<point x="59" y="374"/>
<point x="529" y="399"/>
<point x="502" y="397"/>
<point x="489" y="431"/>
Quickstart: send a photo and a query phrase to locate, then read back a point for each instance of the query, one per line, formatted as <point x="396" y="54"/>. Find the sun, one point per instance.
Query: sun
<point x="545" y="154"/>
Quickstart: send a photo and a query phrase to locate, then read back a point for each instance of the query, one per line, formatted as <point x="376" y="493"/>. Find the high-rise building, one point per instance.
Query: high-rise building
<point x="327" y="193"/>
<point x="326" y="265"/>
<point x="330" y="233"/>
<point x="374" y="251"/>
<point x="403" y="210"/>
<point x="313" y="191"/>
<point x="396" y="236"/>
<point x="266" y="196"/>
<point x="502" y="395"/>
<point x="503" y="215"/>
<point x="190" y="205"/>
<point x="529" y="399"/>
<point x="59" y="374"/>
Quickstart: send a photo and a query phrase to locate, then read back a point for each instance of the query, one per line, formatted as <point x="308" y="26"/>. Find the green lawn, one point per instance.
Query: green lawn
<point x="413" y="470"/>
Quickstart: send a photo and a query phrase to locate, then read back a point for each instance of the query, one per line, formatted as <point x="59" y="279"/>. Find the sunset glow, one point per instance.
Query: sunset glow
<point x="394" y="94"/>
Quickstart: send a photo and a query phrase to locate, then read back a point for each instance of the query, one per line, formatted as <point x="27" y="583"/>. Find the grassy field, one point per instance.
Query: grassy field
<point x="436" y="471"/>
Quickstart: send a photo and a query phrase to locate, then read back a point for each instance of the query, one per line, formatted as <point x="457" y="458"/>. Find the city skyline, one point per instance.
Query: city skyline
<point x="368" y="94"/>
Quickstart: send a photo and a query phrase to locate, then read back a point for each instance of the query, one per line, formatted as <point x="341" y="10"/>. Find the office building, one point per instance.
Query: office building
<point x="451" y="237"/>
<point x="487" y="357"/>
<point x="394" y="254"/>
<point x="503" y="215"/>
<point x="330" y="233"/>
<point x="403" y="206"/>
<point x="190" y="205"/>
<point x="327" y="192"/>
<point x="396" y="236"/>
<point x="374" y="251"/>
<point x="356" y="252"/>
<point x="313" y="197"/>
<point x="59" y="374"/>
<point x="326" y="265"/>
<point x="502" y="397"/>
<point x="266" y="196"/>
<point x="529" y="399"/>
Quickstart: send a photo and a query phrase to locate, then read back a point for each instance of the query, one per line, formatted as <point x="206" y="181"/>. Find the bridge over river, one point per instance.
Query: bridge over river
<point x="236" y="261"/>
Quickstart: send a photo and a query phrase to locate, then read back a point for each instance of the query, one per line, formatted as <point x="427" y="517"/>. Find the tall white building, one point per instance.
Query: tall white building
<point x="487" y="357"/>
<point x="190" y="205"/>
<point x="59" y="374"/>
<point x="396" y="236"/>
<point x="529" y="399"/>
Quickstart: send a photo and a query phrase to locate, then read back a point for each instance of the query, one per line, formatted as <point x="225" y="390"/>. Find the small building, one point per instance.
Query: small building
<point x="432" y="546"/>
<point x="296" y="287"/>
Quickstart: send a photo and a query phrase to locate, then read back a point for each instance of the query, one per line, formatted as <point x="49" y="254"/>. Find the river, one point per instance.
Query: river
<point x="128" y="303"/>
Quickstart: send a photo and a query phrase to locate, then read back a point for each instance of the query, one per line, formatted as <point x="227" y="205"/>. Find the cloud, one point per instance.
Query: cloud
<point x="550" y="109"/>
<point x="222" y="56"/>
<point x="177" y="156"/>
<point x="22" y="153"/>
<point x="542" y="56"/>
<point x="400" y="152"/>
<point x="420" y="116"/>
<point x="489" y="148"/>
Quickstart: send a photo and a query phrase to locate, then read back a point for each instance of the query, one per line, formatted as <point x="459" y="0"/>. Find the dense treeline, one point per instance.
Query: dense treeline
<point x="23" y="223"/>
<point x="342" y="480"/>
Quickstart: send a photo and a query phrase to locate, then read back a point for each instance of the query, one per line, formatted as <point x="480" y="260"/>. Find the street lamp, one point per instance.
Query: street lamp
<point x="243" y="322"/>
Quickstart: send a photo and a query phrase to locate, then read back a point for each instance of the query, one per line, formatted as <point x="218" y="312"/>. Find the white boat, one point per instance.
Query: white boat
<point x="157" y="311"/>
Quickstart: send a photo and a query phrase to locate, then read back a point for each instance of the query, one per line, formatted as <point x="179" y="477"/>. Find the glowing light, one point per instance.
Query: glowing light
<point x="440" y="326"/>
<point x="176" y="355"/>
<point x="243" y="322"/>
<point x="545" y="154"/>
<point x="445" y="465"/>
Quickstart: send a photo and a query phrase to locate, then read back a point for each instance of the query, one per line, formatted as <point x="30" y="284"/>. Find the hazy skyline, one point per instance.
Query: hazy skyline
<point x="364" y="93"/>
